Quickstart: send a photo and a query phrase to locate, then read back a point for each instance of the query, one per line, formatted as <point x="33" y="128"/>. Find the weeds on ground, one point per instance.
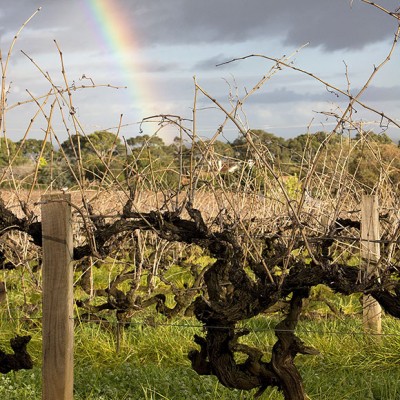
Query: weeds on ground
<point x="152" y="364"/>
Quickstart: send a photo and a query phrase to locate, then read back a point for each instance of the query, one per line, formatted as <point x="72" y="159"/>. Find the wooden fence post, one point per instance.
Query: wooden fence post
<point x="370" y="254"/>
<point x="57" y="274"/>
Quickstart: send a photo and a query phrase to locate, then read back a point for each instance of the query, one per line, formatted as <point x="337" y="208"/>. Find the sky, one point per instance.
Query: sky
<point x="152" y="52"/>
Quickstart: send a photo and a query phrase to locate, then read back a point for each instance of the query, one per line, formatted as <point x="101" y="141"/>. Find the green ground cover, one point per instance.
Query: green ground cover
<point x="151" y="362"/>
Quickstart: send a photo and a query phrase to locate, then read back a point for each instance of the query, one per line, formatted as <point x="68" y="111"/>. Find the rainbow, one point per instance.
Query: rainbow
<point x="117" y="37"/>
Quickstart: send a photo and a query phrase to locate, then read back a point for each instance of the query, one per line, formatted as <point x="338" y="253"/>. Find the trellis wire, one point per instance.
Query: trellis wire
<point x="145" y="323"/>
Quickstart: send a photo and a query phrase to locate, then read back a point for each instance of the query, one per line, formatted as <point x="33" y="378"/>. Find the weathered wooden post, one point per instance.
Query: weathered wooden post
<point x="370" y="254"/>
<point x="57" y="273"/>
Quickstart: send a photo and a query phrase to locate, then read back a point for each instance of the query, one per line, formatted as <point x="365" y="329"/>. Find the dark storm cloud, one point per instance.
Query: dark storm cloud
<point x="159" y="67"/>
<point x="14" y="13"/>
<point x="286" y="96"/>
<point x="382" y="94"/>
<point x="332" y="24"/>
<point x="213" y="62"/>
<point x="373" y="94"/>
<point x="58" y="20"/>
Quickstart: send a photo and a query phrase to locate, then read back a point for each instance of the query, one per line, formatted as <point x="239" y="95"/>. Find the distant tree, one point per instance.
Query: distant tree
<point x="151" y="158"/>
<point x="276" y="146"/>
<point x="375" y="163"/>
<point x="100" y="142"/>
<point x="223" y="149"/>
<point x="145" y="140"/>
<point x="382" y="138"/>
<point x="73" y="145"/>
<point x="213" y="150"/>
<point x="32" y="148"/>
<point x="97" y="150"/>
<point x="104" y="142"/>
<point x="7" y="151"/>
<point x="305" y="146"/>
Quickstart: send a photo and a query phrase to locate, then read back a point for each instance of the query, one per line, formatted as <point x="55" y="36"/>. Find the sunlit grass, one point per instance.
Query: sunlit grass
<point x="152" y="361"/>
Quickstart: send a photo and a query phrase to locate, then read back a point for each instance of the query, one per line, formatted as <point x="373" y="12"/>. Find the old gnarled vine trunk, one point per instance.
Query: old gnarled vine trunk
<point x="286" y="349"/>
<point x="232" y="296"/>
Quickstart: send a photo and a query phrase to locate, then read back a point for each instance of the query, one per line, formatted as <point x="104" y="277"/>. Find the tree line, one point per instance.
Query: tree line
<point x="103" y="155"/>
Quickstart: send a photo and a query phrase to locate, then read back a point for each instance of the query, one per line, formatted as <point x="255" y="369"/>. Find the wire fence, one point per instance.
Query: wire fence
<point x="239" y="327"/>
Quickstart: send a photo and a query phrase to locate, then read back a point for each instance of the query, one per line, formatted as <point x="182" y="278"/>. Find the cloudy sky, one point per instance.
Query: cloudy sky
<point x="156" y="47"/>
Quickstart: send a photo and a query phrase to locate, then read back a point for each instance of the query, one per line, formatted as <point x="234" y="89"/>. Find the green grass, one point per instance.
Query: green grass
<point x="152" y="362"/>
